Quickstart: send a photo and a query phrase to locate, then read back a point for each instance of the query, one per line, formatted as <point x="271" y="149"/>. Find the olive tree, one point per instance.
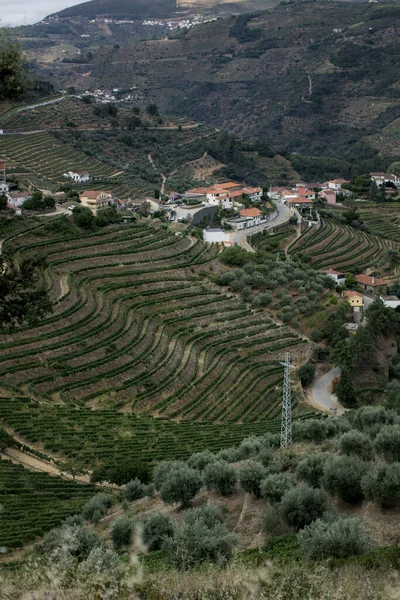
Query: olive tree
<point x="302" y="504"/>
<point x="121" y="533"/>
<point x="387" y="443"/>
<point x="275" y="486"/>
<point x="340" y="538"/>
<point x="382" y="485"/>
<point x="311" y="469"/>
<point x="221" y="477"/>
<point x="156" y="528"/>
<point x="181" y="485"/>
<point x="251" y="476"/>
<point x="356" y="442"/>
<point x="342" y="477"/>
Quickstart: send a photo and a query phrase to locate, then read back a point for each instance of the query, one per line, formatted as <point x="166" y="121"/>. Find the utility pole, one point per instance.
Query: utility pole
<point x="286" y="426"/>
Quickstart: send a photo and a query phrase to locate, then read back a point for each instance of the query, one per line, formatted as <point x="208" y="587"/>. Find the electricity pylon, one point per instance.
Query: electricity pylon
<point x="286" y="426"/>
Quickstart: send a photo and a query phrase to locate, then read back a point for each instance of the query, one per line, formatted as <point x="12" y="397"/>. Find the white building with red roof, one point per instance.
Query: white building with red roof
<point x="337" y="276"/>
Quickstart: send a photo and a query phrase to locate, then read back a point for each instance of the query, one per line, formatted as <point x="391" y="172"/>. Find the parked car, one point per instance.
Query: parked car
<point x="71" y="207"/>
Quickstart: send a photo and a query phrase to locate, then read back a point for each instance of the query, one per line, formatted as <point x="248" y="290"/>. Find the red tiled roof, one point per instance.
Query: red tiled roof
<point x="227" y="185"/>
<point x="92" y="194"/>
<point x="300" y="200"/>
<point x="351" y="294"/>
<point x="236" y="194"/>
<point x="368" y="280"/>
<point x="332" y="272"/>
<point x="250" y="212"/>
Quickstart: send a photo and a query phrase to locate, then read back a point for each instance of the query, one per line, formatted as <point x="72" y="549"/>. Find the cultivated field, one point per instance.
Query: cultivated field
<point x="339" y="246"/>
<point x="136" y="326"/>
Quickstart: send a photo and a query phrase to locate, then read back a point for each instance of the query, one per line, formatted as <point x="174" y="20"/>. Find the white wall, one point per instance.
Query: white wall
<point x="215" y="236"/>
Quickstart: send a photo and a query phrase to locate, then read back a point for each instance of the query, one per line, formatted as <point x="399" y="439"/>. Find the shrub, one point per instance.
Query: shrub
<point x="202" y="537"/>
<point x="302" y="504"/>
<point x="200" y="460"/>
<point x="156" y="529"/>
<point x="311" y="469"/>
<point x="275" y="486"/>
<point x="6" y="440"/>
<point x="121" y="533"/>
<point x="250" y="477"/>
<point x="220" y="477"/>
<point x="270" y="440"/>
<point x="286" y="461"/>
<point x="98" y="505"/>
<point x="371" y="419"/>
<point x="121" y="472"/>
<point x="313" y="430"/>
<point x="265" y="456"/>
<point x="181" y="485"/>
<point x="75" y="540"/>
<point x="387" y="442"/>
<point x="382" y="485"/>
<point x="306" y="374"/>
<point x="355" y="442"/>
<point x="343" y="477"/>
<point x="228" y="454"/>
<point x="134" y="490"/>
<point x="340" y="538"/>
<point x="163" y="469"/>
<point x="272" y="522"/>
<point x="249" y="447"/>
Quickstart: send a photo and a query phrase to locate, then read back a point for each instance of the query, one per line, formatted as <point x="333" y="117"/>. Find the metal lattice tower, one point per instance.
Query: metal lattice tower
<point x="286" y="427"/>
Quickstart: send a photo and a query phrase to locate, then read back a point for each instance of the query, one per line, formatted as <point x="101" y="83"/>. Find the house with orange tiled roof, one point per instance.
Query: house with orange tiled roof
<point x="355" y="299"/>
<point x="251" y="213"/>
<point x="300" y="202"/>
<point x="369" y="283"/>
<point x="335" y="184"/>
<point x="337" y="276"/>
<point x="254" y="193"/>
<point x="95" y="200"/>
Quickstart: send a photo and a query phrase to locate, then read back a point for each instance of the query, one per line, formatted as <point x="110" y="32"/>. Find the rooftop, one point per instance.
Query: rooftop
<point x="368" y="280"/>
<point x="333" y="272"/>
<point x="351" y="294"/>
<point x="250" y="212"/>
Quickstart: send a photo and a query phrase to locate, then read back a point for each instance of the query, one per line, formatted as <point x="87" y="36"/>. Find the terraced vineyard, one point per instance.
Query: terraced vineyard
<point x="33" y="503"/>
<point x="384" y="221"/>
<point x="136" y="326"/>
<point x="340" y="246"/>
<point x="43" y="155"/>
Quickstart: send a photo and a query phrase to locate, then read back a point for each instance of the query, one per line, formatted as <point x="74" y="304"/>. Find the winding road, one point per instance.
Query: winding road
<point x="320" y="394"/>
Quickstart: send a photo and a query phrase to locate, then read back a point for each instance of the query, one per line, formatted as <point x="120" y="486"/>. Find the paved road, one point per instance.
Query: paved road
<point x="320" y="394"/>
<point x="284" y="214"/>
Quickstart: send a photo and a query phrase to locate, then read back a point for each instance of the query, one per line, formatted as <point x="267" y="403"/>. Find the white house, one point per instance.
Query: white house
<point x="255" y="194"/>
<point x="16" y="199"/>
<point x="335" y="184"/>
<point x="382" y="178"/>
<point x="78" y="176"/>
<point x="219" y="197"/>
<point x="4" y="187"/>
<point x="337" y="276"/>
<point x="211" y="235"/>
<point x="249" y="217"/>
<point x="390" y="301"/>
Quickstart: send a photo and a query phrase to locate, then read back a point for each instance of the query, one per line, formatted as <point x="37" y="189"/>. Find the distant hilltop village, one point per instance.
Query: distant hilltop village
<point x="168" y="24"/>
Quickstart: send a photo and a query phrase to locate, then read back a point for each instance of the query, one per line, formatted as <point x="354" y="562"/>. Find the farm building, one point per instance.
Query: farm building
<point x="369" y="283"/>
<point x="78" y="176"/>
<point x="355" y="299"/>
<point x="337" y="276"/>
<point x="328" y="195"/>
<point x="16" y="199"/>
<point x="95" y="200"/>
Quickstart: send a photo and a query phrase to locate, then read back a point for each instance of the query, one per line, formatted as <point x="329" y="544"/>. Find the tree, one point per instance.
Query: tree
<point x="345" y="389"/>
<point x="221" y="477"/>
<point x="3" y="201"/>
<point x="343" y="477"/>
<point x="395" y="168"/>
<point x="274" y="487"/>
<point x="99" y="504"/>
<point x="311" y="469"/>
<point x="202" y="537"/>
<point x="121" y="471"/>
<point x="22" y="299"/>
<point x="355" y="442"/>
<point x="12" y="79"/>
<point x="156" y="529"/>
<point x="373" y="190"/>
<point x="134" y="490"/>
<point x="121" y="533"/>
<point x="181" y="485"/>
<point x="200" y="460"/>
<point x="306" y="374"/>
<point x="382" y="485"/>
<point x="302" y="504"/>
<point x="163" y="469"/>
<point x="83" y="217"/>
<point x="251" y="476"/>
<point x="387" y="443"/>
<point x="152" y="110"/>
<point x="340" y="538"/>
<point x="6" y="440"/>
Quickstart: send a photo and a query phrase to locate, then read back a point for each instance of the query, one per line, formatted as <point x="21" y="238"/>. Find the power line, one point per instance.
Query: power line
<point x="286" y="425"/>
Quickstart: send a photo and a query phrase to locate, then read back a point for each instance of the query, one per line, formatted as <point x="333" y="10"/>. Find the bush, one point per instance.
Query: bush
<point x="6" y="440"/>
<point x="156" y="529"/>
<point x="355" y="442"/>
<point x="382" y="485"/>
<point x="274" y="487"/>
<point x="249" y="447"/>
<point x="220" y="477"/>
<point x="121" y="472"/>
<point x="98" y="505"/>
<point x="306" y="374"/>
<point x="341" y="538"/>
<point x="265" y="456"/>
<point x="302" y="504"/>
<point x="311" y="469"/>
<point x="228" y="454"/>
<point x="163" y="469"/>
<point x="387" y="442"/>
<point x="314" y="430"/>
<point x="371" y="419"/>
<point x="272" y="522"/>
<point x="202" y="537"/>
<point x="251" y="476"/>
<point x="134" y="490"/>
<point x="200" y="460"/>
<point x="75" y="540"/>
<point x="343" y="477"/>
<point x="181" y="485"/>
<point x="121" y="533"/>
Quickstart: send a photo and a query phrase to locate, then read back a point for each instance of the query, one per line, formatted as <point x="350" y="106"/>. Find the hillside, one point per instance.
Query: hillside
<point x="318" y="79"/>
